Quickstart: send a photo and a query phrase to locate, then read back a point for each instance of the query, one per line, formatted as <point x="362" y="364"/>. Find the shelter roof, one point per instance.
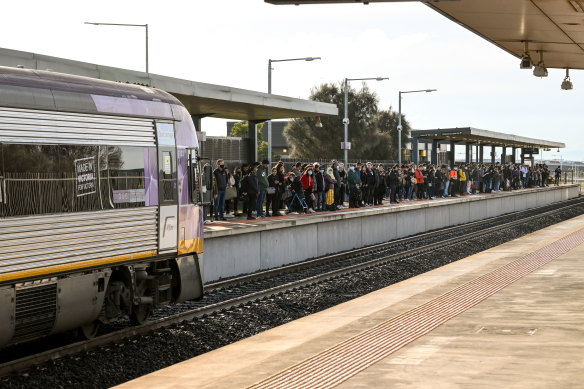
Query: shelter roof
<point x="485" y="137"/>
<point x="205" y="100"/>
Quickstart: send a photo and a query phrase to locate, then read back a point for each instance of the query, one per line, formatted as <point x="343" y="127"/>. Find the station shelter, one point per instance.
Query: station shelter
<point x="479" y="145"/>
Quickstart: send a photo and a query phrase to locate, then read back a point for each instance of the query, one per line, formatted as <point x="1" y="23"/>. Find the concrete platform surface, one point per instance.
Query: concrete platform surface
<point x="509" y="317"/>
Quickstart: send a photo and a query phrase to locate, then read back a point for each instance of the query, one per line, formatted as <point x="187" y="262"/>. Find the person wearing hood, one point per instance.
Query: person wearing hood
<point x="331" y="184"/>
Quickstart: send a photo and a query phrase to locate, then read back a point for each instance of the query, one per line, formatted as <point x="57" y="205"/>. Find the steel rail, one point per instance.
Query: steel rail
<point x="113" y="337"/>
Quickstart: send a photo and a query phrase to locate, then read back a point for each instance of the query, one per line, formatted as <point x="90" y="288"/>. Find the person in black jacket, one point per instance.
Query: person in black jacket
<point x="380" y="190"/>
<point x="393" y="185"/>
<point x="251" y="188"/>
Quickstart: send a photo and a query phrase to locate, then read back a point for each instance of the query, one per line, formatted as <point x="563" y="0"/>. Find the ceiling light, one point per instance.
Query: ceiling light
<point x="540" y="70"/>
<point x="526" y="59"/>
<point x="567" y="84"/>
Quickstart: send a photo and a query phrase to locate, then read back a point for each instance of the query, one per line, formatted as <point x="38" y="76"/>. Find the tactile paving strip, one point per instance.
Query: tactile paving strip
<point x="346" y="359"/>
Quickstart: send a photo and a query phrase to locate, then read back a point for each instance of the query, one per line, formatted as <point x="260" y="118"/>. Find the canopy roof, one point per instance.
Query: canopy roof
<point x="555" y="27"/>
<point x="485" y="137"/>
<point x="199" y="98"/>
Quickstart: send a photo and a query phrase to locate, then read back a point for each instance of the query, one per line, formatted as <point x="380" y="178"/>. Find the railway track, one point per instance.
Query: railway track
<point x="235" y="292"/>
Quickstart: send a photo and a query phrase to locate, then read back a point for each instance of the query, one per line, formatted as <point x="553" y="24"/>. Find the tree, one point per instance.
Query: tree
<point x="387" y="122"/>
<point x="241" y="129"/>
<point x="369" y="134"/>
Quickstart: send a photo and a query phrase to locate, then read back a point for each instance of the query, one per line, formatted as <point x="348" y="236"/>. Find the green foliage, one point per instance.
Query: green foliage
<point x="372" y="132"/>
<point x="263" y="151"/>
<point x="241" y="129"/>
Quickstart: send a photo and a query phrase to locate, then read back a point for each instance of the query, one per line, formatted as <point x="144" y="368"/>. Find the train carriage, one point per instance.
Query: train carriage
<point x="99" y="203"/>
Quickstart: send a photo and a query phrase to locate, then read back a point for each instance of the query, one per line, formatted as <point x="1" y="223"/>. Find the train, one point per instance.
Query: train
<point x="100" y="204"/>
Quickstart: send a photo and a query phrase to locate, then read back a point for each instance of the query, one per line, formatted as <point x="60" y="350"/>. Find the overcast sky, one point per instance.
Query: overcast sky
<point x="229" y="42"/>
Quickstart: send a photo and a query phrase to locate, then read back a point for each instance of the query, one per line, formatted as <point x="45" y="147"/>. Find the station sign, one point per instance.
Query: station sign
<point x="345" y="145"/>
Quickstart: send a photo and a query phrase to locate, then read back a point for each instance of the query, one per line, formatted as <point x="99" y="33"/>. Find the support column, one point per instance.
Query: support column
<point x="503" y="155"/>
<point x="468" y="151"/>
<point x="481" y="156"/>
<point x="492" y="155"/>
<point x="514" y="156"/>
<point x="434" y="157"/>
<point x="452" y="153"/>
<point x="415" y="152"/>
<point x="253" y="141"/>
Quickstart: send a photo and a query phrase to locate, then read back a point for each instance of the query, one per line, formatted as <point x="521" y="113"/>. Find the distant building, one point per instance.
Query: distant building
<point x="279" y="144"/>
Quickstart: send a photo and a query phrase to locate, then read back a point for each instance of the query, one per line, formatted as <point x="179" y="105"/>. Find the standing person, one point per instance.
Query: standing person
<point x="354" y="184"/>
<point x="242" y="177"/>
<point x="237" y="178"/>
<point x="380" y="191"/>
<point x="308" y="186"/>
<point x="272" y="191"/>
<point x="558" y="175"/>
<point x="220" y="180"/>
<point x="320" y="186"/>
<point x="431" y="182"/>
<point x="454" y="181"/>
<point x="330" y="185"/>
<point x="342" y="185"/>
<point x="393" y="184"/>
<point x="370" y="183"/>
<point x="462" y="179"/>
<point x="251" y="189"/>
<point x="262" y="175"/>
<point x="419" y="183"/>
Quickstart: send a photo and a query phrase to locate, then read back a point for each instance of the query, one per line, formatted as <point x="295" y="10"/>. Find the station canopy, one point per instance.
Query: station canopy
<point x="200" y="99"/>
<point x="469" y="135"/>
<point x="553" y="27"/>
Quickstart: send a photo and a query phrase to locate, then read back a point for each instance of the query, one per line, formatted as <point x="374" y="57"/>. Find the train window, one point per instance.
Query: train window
<point x="80" y="186"/>
<point x="31" y="179"/>
<point x="126" y="176"/>
<point x="167" y="176"/>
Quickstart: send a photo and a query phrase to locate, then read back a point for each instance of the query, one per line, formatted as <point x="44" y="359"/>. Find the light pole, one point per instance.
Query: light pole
<point x="346" y="119"/>
<point x="270" y="91"/>
<point x="127" y="25"/>
<point x="399" y="124"/>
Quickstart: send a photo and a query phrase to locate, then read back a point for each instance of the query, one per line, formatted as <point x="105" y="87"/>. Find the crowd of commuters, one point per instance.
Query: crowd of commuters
<point x="309" y="187"/>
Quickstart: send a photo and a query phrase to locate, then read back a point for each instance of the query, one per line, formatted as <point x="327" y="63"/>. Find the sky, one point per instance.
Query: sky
<point x="229" y="42"/>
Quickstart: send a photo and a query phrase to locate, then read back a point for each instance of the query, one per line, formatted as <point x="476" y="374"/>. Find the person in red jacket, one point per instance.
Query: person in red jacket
<point x="419" y="183"/>
<point x="307" y="180"/>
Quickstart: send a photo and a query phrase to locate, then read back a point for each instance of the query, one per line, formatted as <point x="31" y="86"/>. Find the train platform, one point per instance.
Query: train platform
<point x="511" y="316"/>
<point x="272" y="242"/>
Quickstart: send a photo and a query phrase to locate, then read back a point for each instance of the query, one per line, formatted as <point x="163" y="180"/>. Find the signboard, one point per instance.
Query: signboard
<point x="345" y="145"/>
<point x="530" y="151"/>
<point x="85" y="176"/>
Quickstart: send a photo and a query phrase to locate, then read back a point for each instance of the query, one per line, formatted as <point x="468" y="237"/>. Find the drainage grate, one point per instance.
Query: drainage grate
<point x="341" y="362"/>
<point x="36" y="309"/>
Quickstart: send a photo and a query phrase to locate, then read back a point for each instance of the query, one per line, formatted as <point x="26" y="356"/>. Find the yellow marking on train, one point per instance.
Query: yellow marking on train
<point x="190" y="246"/>
<point x="75" y="266"/>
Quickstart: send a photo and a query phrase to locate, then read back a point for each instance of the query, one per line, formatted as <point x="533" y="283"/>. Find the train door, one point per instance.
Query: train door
<point x="167" y="189"/>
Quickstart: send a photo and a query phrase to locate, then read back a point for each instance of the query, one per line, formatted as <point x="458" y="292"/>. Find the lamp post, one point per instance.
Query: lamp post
<point x="127" y="25"/>
<point x="270" y="91"/>
<point x="346" y="118"/>
<point x="399" y="124"/>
